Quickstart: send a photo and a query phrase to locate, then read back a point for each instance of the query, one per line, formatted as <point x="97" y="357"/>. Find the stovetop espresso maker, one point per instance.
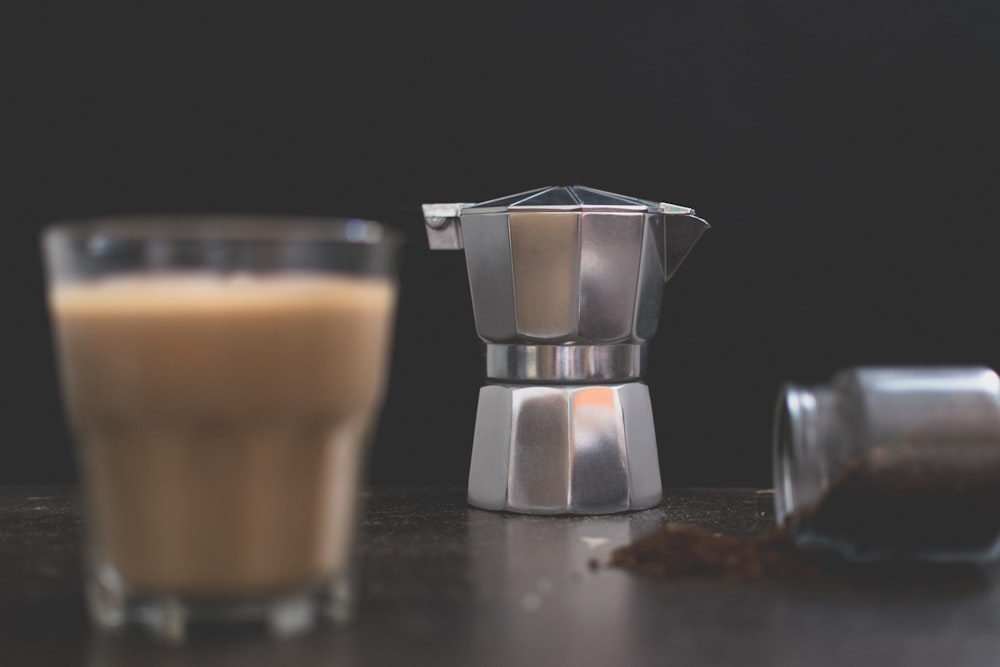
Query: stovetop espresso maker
<point x="566" y="289"/>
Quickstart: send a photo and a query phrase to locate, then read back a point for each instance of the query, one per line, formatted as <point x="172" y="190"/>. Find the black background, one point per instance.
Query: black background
<point x="844" y="152"/>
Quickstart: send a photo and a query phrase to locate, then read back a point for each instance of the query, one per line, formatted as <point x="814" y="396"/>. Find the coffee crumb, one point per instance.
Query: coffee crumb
<point x="593" y="564"/>
<point x="675" y="550"/>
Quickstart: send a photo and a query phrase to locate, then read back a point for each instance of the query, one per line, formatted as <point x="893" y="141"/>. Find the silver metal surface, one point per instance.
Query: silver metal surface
<point x="568" y="450"/>
<point x="567" y="284"/>
<point x="487" y="489"/>
<point x="610" y="259"/>
<point x="538" y="479"/>
<point x="599" y="482"/>
<point x="575" y="198"/>
<point x="682" y="232"/>
<point x="566" y="265"/>
<point x="545" y="252"/>
<point x="443" y="229"/>
<point x="643" y="461"/>
<point x="649" y="289"/>
<point x="566" y="364"/>
<point x="491" y="276"/>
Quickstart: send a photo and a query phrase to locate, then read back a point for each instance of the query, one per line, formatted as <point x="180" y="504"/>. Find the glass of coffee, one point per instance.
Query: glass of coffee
<point x="222" y="376"/>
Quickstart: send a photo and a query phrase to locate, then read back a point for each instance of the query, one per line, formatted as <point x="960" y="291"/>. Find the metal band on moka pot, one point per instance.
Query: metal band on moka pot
<point x="566" y="288"/>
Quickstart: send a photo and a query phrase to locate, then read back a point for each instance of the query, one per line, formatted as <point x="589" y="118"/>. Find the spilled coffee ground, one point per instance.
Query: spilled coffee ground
<point x="675" y="550"/>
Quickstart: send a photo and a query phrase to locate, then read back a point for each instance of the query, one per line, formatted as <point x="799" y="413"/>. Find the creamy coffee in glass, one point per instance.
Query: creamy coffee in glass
<point x="222" y="377"/>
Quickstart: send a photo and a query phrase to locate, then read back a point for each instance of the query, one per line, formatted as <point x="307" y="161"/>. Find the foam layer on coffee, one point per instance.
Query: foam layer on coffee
<point x="221" y="423"/>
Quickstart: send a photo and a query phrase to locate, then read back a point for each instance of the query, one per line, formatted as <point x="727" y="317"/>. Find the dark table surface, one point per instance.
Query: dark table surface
<point x="445" y="584"/>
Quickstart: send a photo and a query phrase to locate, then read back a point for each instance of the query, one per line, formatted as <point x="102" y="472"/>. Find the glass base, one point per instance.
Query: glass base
<point x="173" y="620"/>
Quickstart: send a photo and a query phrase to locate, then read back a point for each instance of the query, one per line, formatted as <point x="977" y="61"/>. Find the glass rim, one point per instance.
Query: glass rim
<point x="223" y="228"/>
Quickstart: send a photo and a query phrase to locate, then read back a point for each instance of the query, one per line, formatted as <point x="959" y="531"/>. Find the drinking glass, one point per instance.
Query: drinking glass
<point x="222" y="377"/>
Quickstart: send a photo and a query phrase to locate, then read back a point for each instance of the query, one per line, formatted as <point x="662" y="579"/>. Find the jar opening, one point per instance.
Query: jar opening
<point x="794" y="413"/>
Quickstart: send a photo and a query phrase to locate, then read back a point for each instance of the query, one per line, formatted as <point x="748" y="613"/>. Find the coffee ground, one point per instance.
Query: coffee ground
<point x="675" y="550"/>
<point x="912" y="499"/>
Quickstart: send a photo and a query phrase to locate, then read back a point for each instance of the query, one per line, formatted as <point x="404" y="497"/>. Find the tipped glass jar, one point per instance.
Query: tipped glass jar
<point x="892" y="463"/>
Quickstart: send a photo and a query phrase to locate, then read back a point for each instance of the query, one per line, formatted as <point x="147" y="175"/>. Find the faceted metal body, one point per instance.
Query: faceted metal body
<point x="564" y="450"/>
<point x="567" y="265"/>
<point x="566" y="289"/>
